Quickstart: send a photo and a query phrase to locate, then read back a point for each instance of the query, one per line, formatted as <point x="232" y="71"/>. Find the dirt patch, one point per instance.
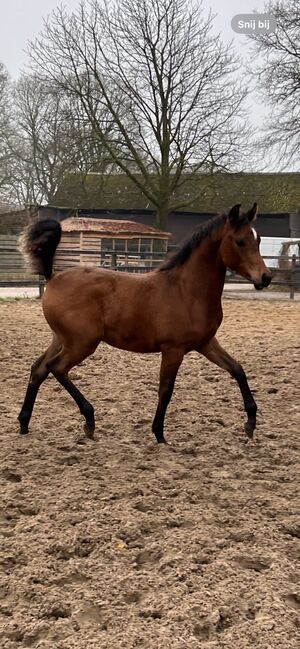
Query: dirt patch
<point x="119" y="543"/>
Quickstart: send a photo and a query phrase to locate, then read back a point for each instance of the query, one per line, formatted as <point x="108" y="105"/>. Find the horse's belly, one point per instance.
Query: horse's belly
<point x="131" y="335"/>
<point x="132" y="343"/>
<point x="150" y="331"/>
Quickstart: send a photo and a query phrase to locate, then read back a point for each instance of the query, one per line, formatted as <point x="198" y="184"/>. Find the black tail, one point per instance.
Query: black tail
<point x="38" y="243"/>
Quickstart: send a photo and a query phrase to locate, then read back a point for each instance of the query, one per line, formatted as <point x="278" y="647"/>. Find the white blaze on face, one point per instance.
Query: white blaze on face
<point x="254" y="233"/>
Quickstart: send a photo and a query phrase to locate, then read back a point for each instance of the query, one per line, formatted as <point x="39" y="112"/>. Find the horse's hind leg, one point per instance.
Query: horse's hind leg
<point x="83" y="404"/>
<point x="59" y="366"/>
<point x="38" y="374"/>
<point x="216" y="354"/>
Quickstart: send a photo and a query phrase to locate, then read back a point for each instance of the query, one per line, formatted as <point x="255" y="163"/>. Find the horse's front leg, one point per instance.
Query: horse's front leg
<point x="170" y="364"/>
<point x="216" y="354"/>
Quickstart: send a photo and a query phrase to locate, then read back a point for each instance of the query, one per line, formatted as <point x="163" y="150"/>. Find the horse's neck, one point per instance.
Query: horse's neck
<point x="204" y="273"/>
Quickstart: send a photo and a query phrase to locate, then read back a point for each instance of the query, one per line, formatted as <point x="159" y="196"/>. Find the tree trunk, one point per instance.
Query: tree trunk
<point x="162" y="215"/>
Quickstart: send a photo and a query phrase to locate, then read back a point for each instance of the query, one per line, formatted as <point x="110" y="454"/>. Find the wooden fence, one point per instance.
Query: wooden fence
<point x="13" y="270"/>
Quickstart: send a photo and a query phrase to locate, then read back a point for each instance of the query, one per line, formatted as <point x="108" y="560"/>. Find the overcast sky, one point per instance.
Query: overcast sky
<point x="21" y="20"/>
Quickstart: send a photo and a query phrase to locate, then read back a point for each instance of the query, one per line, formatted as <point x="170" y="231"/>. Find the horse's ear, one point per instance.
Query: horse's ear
<point x="251" y="215"/>
<point x="234" y="214"/>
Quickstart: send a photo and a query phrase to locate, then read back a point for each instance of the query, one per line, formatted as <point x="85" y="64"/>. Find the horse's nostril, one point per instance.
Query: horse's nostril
<point x="266" y="279"/>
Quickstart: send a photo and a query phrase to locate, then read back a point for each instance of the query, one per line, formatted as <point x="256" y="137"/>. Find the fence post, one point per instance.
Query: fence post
<point x="292" y="286"/>
<point x="114" y="260"/>
<point x="41" y="287"/>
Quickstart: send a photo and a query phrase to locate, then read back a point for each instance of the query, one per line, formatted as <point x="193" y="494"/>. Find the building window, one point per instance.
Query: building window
<point x="120" y="245"/>
<point x="107" y="244"/>
<point x="159" y="245"/>
<point x="133" y="245"/>
<point x="146" y="245"/>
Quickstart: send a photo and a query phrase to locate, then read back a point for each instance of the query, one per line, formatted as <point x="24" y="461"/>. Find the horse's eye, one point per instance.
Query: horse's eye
<point x="240" y="243"/>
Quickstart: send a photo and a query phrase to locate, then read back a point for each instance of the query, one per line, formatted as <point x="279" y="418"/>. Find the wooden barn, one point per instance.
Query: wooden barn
<point x="109" y="242"/>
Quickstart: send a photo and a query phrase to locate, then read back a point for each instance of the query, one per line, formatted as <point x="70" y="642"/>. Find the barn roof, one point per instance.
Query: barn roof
<point x="111" y="227"/>
<point x="274" y="192"/>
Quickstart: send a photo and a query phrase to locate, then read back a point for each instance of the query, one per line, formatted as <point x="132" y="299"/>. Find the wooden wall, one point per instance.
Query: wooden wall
<point x="88" y="245"/>
<point x="78" y="241"/>
<point x="12" y="263"/>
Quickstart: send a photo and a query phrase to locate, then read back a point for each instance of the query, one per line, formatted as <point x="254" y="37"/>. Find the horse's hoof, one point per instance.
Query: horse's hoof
<point x="89" y="430"/>
<point x="24" y="431"/>
<point x="161" y="440"/>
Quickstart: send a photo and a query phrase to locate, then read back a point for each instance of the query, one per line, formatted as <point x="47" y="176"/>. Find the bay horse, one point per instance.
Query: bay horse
<point x="173" y="309"/>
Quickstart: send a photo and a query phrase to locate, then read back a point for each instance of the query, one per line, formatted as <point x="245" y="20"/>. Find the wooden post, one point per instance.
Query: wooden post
<point x="114" y="260"/>
<point x="292" y="285"/>
<point x="41" y="286"/>
<point x="81" y="246"/>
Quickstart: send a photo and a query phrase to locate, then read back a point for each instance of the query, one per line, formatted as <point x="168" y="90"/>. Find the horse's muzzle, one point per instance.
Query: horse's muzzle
<point x="265" y="281"/>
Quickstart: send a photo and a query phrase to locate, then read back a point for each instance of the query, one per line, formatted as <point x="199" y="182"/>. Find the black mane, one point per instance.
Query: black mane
<point x="202" y="232"/>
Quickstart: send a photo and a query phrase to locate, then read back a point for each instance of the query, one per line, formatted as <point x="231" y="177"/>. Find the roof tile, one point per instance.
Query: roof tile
<point x="110" y="226"/>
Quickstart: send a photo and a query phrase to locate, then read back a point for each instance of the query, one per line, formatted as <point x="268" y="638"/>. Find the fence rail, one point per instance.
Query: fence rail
<point x="13" y="270"/>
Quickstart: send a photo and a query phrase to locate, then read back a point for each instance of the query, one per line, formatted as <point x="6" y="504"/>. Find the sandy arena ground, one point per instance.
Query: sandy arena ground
<point x="120" y="543"/>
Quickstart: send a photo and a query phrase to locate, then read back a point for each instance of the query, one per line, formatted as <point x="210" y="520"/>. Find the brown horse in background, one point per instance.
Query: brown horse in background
<point x="172" y="310"/>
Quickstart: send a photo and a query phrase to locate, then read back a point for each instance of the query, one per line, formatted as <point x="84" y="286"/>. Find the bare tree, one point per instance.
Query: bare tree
<point x="37" y="143"/>
<point x="278" y="77"/>
<point x="167" y="82"/>
<point x="5" y="129"/>
<point x="50" y="138"/>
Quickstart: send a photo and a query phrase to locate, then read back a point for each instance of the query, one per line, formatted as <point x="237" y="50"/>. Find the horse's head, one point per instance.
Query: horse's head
<point x="240" y="247"/>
